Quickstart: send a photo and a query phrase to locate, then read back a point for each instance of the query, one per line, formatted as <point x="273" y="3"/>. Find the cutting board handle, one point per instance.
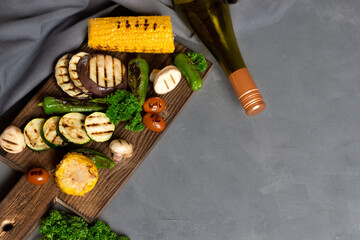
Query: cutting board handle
<point x="23" y="207"/>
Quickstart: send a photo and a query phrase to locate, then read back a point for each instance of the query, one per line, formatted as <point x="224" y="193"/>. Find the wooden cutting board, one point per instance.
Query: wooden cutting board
<point x="23" y="207"/>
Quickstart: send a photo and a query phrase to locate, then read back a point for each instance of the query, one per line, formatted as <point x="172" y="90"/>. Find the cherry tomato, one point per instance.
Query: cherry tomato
<point x="154" y="105"/>
<point x="38" y="176"/>
<point x="154" y="122"/>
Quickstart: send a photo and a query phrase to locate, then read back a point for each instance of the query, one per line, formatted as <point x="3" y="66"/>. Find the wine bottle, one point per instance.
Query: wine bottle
<point x="211" y="21"/>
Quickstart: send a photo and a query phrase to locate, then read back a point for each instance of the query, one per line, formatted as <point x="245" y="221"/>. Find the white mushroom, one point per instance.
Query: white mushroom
<point x="121" y="149"/>
<point x="12" y="140"/>
<point x="166" y="79"/>
<point x="153" y="74"/>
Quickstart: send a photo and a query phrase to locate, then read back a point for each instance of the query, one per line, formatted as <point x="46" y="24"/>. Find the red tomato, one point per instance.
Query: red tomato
<point x="38" y="176"/>
<point x="154" y="105"/>
<point x="154" y="122"/>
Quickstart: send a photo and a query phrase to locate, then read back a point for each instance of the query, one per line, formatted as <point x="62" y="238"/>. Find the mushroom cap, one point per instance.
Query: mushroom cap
<point x="12" y="140"/>
<point x="121" y="147"/>
<point x="167" y="79"/>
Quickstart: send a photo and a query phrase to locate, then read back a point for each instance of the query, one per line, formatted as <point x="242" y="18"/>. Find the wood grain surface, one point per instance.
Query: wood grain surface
<point x="23" y="207"/>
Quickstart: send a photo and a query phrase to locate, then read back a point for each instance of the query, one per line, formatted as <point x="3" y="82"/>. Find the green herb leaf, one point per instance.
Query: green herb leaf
<point x="59" y="225"/>
<point x="124" y="106"/>
<point x="199" y="60"/>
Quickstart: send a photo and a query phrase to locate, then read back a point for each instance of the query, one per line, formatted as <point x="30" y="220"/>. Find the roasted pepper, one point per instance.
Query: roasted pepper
<point x="138" y="78"/>
<point x="100" y="160"/>
<point x="189" y="70"/>
<point x="53" y="105"/>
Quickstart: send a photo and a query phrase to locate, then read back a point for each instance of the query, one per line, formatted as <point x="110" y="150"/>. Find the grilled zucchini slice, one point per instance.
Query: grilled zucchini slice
<point x="63" y="79"/>
<point x="32" y="134"/>
<point x="98" y="127"/>
<point x="71" y="128"/>
<point x="50" y="135"/>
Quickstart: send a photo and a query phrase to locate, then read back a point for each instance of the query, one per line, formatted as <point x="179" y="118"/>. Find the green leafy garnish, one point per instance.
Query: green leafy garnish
<point x="123" y="106"/>
<point x="199" y="60"/>
<point x="60" y="225"/>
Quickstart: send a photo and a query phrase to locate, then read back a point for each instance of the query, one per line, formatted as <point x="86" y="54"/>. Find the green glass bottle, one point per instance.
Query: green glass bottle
<point x="211" y="21"/>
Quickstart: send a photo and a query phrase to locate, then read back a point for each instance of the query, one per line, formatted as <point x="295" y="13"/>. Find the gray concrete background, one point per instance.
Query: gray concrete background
<point x="292" y="172"/>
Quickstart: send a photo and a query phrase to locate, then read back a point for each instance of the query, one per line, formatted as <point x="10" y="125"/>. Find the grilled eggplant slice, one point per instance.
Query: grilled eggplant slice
<point x="63" y="79"/>
<point x="71" y="128"/>
<point x="102" y="74"/>
<point x="49" y="133"/>
<point x="98" y="127"/>
<point x="73" y="71"/>
<point x="32" y="134"/>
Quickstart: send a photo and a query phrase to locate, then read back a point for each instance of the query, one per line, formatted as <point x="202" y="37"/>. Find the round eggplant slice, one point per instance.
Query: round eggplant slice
<point x="102" y="74"/>
<point x="73" y="71"/>
<point x="63" y="79"/>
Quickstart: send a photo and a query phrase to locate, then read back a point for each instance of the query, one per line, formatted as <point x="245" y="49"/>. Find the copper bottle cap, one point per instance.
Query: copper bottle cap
<point x="247" y="92"/>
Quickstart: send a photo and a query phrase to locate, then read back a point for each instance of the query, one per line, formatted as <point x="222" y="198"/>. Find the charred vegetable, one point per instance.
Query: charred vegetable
<point x="50" y="134"/>
<point x="138" y="78"/>
<point x="76" y="174"/>
<point x="12" y="140"/>
<point x="98" y="127"/>
<point x="120" y="149"/>
<point x="119" y="106"/>
<point x="63" y="79"/>
<point x="190" y="70"/>
<point x="100" y="160"/>
<point x="32" y="135"/>
<point x="74" y="71"/>
<point x="71" y="128"/>
<point x="53" y="105"/>
<point x="166" y="79"/>
<point x="37" y="176"/>
<point x="102" y="74"/>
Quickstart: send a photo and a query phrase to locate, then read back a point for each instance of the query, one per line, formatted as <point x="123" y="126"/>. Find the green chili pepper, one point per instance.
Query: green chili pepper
<point x="189" y="70"/>
<point x="138" y="78"/>
<point x="100" y="160"/>
<point x="53" y="105"/>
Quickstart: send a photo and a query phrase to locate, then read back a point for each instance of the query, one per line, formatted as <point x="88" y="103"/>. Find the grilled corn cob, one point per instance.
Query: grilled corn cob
<point x="144" y="34"/>
<point x="76" y="174"/>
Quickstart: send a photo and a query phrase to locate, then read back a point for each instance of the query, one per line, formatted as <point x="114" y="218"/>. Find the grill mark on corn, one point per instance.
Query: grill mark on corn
<point x="146" y="24"/>
<point x="127" y="24"/>
<point x="154" y="26"/>
<point x="118" y="24"/>
<point x="10" y="142"/>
